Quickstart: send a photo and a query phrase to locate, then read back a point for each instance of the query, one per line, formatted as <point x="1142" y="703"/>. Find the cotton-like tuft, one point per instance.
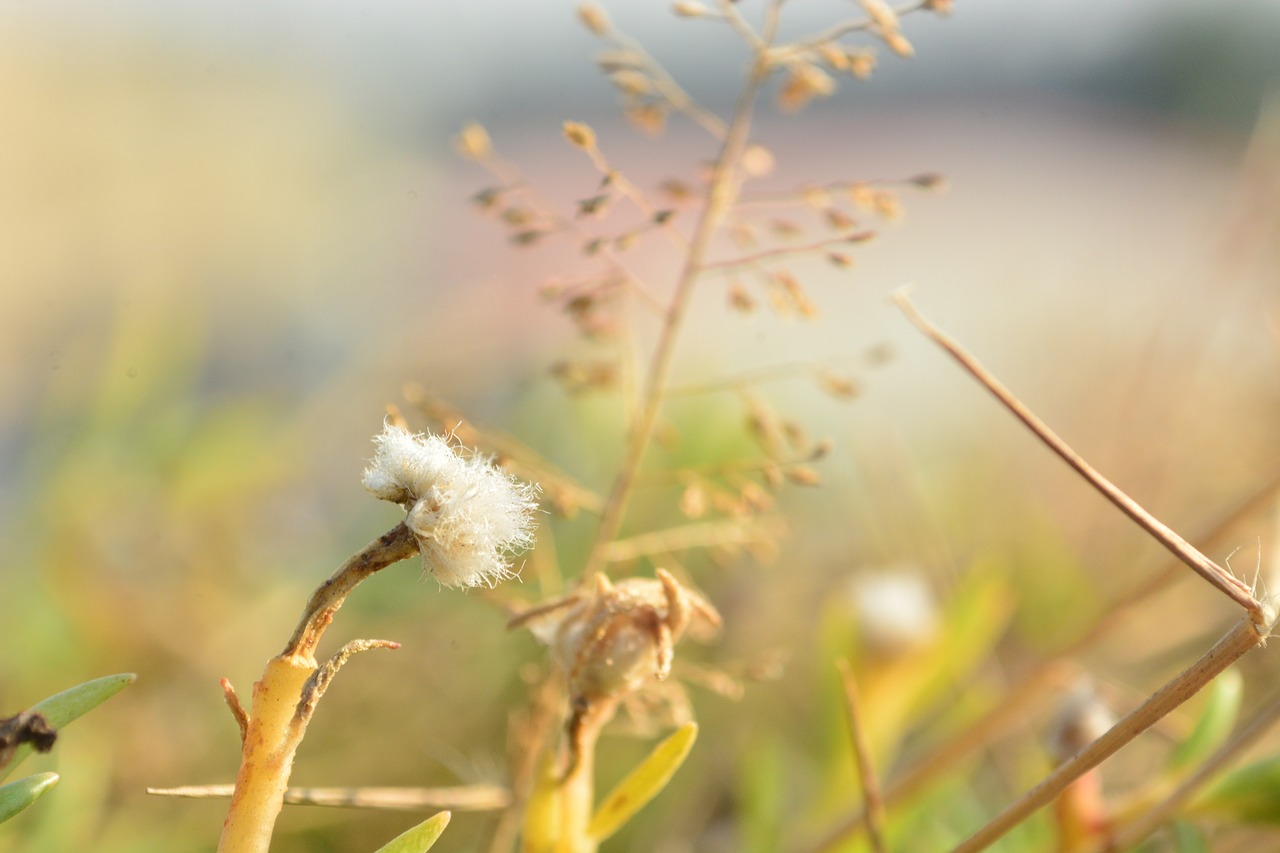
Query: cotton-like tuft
<point x="468" y="516"/>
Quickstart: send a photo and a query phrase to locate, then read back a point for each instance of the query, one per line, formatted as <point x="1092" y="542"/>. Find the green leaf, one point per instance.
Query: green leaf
<point x="419" y="839"/>
<point x="642" y="784"/>
<point x="62" y="708"/>
<point x="1216" y="721"/>
<point x="1249" y="795"/>
<point x="1187" y="838"/>
<point x="16" y="796"/>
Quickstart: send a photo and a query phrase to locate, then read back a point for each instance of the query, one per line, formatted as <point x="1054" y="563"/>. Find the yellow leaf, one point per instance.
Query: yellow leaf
<point x="642" y="784"/>
<point x="542" y="812"/>
<point x="420" y="838"/>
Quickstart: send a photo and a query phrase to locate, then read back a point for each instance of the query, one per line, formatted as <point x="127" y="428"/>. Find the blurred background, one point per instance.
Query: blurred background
<point x="231" y="233"/>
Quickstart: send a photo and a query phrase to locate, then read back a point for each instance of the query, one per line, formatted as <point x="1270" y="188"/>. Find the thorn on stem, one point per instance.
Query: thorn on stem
<point x="237" y="709"/>
<point x="319" y="681"/>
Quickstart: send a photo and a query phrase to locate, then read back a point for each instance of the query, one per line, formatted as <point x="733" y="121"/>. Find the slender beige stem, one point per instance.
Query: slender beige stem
<point x="768" y="255"/>
<point x="1232" y="587"/>
<point x="1239" y="640"/>
<point x="460" y="797"/>
<point x="391" y="547"/>
<point x="1016" y="706"/>
<point x="872" y="798"/>
<point x="721" y="192"/>
<point x="1130" y="836"/>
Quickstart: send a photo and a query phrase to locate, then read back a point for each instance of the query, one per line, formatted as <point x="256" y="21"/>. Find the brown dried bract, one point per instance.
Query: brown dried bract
<point x="25" y="727"/>
<point x="619" y="637"/>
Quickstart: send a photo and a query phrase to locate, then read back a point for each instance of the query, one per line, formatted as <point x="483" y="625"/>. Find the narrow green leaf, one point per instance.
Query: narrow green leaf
<point x="542" y="811"/>
<point x="419" y="839"/>
<point x="1216" y="721"/>
<point x="642" y="784"/>
<point x="1187" y="837"/>
<point x="1248" y="795"/>
<point x="16" y="796"/>
<point x="62" y="708"/>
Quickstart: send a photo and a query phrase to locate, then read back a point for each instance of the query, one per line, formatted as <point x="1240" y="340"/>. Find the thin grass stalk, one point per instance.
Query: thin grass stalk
<point x="1239" y="640"/>
<point x="721" y="192"/>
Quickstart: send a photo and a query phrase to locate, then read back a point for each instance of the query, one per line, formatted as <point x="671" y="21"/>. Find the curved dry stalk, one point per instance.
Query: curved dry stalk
<point x="391" y="547"/>
<point x="1229" y="585"/>
<point x="872" y="798"/>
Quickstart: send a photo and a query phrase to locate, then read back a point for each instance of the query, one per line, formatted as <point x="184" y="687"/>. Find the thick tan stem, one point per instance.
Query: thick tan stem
<point x="270" y="742"/>
<point x="277" y="721"/>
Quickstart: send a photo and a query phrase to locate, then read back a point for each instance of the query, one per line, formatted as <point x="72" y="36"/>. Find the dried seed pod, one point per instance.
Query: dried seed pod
<point x="594" y="19"/>
<point x="803" y="475"/>
<point x="473" y="142"/>
<point x="837" y="385"/>
<point x="803" y="83"/>
<point x="739" y="299"/>
<point x="650" y="117"/>
<point x="580" y="134"/>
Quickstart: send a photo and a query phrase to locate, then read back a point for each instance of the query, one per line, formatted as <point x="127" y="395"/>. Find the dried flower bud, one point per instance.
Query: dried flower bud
<point x="580" y="134"/>
<point x="594" y="19"/>
<point x="617" y="638"/>
<point x="473" y="142"/>
<point x="839" y="220"/>
<point x="887" y="205"/>
<point x="690" y="9"/>
<point x="467" y="516"/>
<point x="740" y="300"/>
<point x="840" y="260"/>
<point x="836" y="57"/>
<point x="898" y="44"/>
<point x="930" y="181"/>
<point x="862" y="63"/>
<point x="487" y="198"/>
<point x="836" y="385"/>
<point x="941" y="8"/>
<point x="650" y="117"/>
<point x="804" y="82"/>
<point x="593" y="206"/>
<point x="880" y="13"/>
<point x="527" y="238"/>
<point x="517" y="216"/>
<point x="631" y="82"/>
<point x="676" y="189"/>
<point x="803" y="475"/>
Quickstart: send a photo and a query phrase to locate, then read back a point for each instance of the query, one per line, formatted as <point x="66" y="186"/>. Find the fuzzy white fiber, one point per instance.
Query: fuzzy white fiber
<point x="468" y="516"/>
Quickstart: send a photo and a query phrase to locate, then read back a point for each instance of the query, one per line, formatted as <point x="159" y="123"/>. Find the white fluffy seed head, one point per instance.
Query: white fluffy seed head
<point x="468" y="516"/>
